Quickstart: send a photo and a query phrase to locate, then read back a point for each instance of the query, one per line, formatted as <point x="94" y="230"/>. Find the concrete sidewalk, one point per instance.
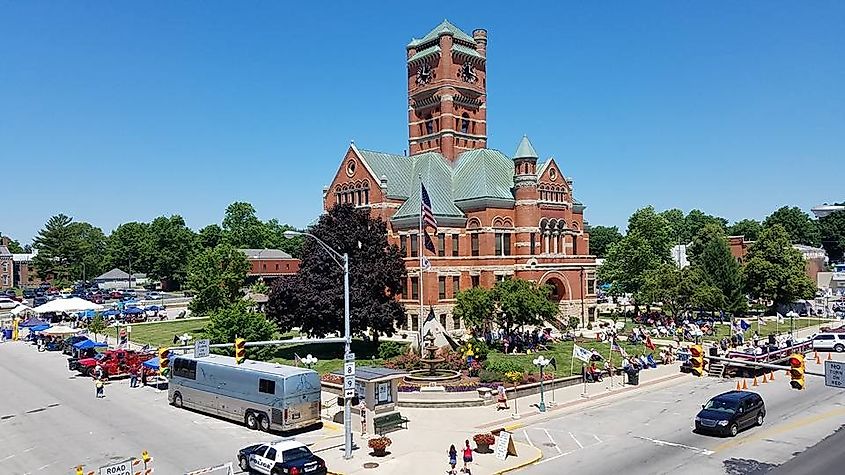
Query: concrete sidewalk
<point x="421" y="449"/>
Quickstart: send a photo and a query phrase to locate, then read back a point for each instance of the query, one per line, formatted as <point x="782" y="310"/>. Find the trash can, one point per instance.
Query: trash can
<point x="634" y="378"/>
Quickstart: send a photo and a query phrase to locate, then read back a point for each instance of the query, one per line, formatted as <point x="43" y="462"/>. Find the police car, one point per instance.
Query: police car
<point x="286" y="457"/>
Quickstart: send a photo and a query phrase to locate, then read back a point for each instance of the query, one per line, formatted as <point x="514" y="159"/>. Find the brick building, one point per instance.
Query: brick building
<point x="270" y="263"/>
<point x="498" y="216"/>
<point x="7" y="268"/>
<point x="815" y="258"/>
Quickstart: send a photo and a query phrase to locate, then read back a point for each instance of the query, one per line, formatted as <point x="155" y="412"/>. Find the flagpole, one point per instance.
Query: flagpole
<point x="610" y="361"/>
<point x="420" y="249"/>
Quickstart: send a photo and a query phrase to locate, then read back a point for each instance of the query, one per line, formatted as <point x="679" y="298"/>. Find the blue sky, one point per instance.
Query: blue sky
<point x="120" y="111"/>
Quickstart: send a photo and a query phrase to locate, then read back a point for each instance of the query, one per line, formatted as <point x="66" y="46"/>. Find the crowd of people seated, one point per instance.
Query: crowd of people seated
<point x="520" y="342"/>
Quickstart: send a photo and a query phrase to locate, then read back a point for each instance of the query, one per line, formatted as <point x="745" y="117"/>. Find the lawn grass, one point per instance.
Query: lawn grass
<point x="766" y="327"/>
<point x="562" y="352"/>
<point x="329" y="355"/>
<point x="160" y="334"/>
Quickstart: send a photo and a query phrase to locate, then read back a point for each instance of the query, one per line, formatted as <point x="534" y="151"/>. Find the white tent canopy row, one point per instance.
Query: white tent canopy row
<point x="20" y="309"/>
<point x="60" y="330"/>
<point x="73" y="304"/>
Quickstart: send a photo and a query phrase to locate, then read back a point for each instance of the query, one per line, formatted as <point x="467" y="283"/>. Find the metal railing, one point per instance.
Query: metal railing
<point x="777" y="355"/>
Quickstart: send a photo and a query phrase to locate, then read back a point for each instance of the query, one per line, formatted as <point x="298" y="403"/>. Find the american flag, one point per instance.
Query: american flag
<point x="425" y="209"/>
<point x="428" y="243"/>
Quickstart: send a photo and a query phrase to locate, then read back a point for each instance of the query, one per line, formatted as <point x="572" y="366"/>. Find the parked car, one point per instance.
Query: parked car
<point x="39" y="300"/>
<point x="10" y="293"/>
<point x="28" y="293"/>
<point x="7" y="303"/>
<point x="829" y="342"/>
<point x="288" y="457"/>
<point x="730" y="412"/>
<point x="116" y="294"/>
<point x="153" y="296"/>
<point x="114" y="362"/>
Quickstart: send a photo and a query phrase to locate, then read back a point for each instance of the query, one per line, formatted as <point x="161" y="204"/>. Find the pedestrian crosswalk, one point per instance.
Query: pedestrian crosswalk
<point x="555" y="443"/>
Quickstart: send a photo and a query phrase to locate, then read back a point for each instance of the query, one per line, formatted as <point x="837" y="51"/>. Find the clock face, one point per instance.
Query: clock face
<point x="467" y="72"/>
<point x="552" y="174"/>
<point x="424" y="74"/>
<point x="350" y="168"/>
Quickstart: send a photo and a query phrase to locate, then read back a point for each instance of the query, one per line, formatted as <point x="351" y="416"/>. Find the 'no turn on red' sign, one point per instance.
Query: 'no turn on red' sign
<point x="834" y="374"/>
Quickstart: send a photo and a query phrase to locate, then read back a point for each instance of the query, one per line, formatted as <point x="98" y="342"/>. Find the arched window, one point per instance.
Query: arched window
<point x="464" y="123"/>
<point x="429" y="124"/>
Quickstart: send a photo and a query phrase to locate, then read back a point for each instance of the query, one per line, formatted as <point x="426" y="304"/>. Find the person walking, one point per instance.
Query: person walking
<point x="467" y="457"/>
<point x="133" y="378"/>
<point x="453" y="459"/>
<point x="98" y="384"/>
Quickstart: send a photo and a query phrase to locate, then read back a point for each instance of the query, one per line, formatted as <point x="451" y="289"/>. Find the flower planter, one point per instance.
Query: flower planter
<point x="380" y="452"/>
<point x="482" y="448"/>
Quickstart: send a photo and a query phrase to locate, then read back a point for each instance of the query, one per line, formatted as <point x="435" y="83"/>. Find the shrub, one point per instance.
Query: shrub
<point x="451" y="360"/>
<point x="574" y="322"/>
<point x="390" y="349"/>
<point x="408" y="362"/>
<point x="487" y="376"/>
<point x="481" y="349"/>
<point x="503" y="365"/>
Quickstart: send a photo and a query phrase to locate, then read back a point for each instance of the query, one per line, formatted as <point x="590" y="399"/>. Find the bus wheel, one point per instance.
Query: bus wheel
<point x="251" y="421"/>
<point x="177" y="400"/>
<point x="263" y="423"/>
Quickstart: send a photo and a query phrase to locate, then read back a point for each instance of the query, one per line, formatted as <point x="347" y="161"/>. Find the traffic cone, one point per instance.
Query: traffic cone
<point x="772" y="376"/>
<point x="818" y="360"/>
<point x="744" y="384"/>
<point x="828" y="356"/>
<point x="755" y="382"/>
<point x="816" y="355"/>
<point x="764" y="380"/>
<point x="738" y="387"/>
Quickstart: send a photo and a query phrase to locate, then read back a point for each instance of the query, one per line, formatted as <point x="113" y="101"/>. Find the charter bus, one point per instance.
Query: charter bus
<point x="262" y="395"/>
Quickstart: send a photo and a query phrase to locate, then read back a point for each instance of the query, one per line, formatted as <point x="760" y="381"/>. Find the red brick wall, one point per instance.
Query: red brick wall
<point x="273" y="267"/>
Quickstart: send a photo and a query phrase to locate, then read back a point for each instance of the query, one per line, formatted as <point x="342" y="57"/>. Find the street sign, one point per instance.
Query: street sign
<point x="348" y="393"/>
<point x="834" y="374"/>
<point x="349" y="368"/>
<point x="349" y="357"/>
<point x="202" y="348"/>
<point x="120" y="468"/>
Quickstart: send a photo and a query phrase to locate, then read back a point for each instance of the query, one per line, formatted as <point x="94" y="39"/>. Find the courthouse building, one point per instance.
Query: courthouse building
<point x="498" y="215"/>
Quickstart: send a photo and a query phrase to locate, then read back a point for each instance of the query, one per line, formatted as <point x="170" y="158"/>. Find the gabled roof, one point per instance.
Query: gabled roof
<point x="114" y="274"/>
<point x="396" y="168"/>
<point x="4" y="251"/>
<point x="265" y="254"/>
<point x="436" y="174"/>
<point x="425" y="53"/>
<point x="525" y="149"/>
<point x="446" y="28"/>
<point x="483" y="173"/>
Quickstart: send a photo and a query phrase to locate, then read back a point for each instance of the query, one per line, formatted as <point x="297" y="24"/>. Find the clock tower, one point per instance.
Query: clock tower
<point x="447" y="91"/>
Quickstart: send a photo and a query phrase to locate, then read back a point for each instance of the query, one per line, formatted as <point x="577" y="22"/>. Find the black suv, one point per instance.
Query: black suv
<point x="731" y="412"/>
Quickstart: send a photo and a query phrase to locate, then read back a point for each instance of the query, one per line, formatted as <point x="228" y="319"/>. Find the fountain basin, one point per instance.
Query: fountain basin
<point x="433" y="376"/>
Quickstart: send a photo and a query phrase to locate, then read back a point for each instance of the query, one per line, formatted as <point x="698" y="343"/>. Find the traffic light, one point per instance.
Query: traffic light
<point x="240" y="350"/>
<point x="163" y="361"/>
<point x="697" y="360"/>
<point x="796" y="373"/>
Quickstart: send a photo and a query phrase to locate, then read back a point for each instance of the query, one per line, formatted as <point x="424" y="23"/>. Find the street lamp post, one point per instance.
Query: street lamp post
<point x="343" y="261"/>
<point x="309" y="361"/>
<point x="541" y="362"/>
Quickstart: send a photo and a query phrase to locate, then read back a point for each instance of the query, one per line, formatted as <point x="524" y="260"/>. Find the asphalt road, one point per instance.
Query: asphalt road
<point x="651" y="432"/>
<point x="50" y="422"/>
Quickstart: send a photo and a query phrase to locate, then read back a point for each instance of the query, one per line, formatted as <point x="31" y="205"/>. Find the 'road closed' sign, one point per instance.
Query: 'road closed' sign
<point x="120" y="468"/>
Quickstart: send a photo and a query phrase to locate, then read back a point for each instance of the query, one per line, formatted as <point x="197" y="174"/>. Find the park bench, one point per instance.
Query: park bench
<point x="388" y="422"/>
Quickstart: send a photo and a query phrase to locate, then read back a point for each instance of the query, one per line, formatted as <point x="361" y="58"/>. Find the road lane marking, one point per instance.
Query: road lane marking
<point x="7" y="458"/>
<point x="45" y="466"/>
<point x="29" y="449"/>
<point x="552" y="440"/>
<point x="527" y="438"/>
<point x="674" y="444"/>
<point x="576" y="440"/>
<point x="780" y="429"/>
<point x="597" y="438"/>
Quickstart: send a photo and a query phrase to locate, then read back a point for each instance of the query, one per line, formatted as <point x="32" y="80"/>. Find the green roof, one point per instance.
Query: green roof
<point x="466" y="50"/>
<point x="447" y="28"/>
<point x="525" y="149"/>
<point x="436" y="174"/>
<point x="425" y="53"/>
<point x="483" y="173"/>
<point x="397" y="169"/>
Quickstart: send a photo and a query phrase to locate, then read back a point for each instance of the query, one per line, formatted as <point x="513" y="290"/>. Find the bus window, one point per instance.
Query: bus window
<point x="185" y="368"/>
<point x="266" y="386"/>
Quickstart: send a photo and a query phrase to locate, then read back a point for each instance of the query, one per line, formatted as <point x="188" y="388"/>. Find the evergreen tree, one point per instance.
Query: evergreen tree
<point x="711" y="257"/>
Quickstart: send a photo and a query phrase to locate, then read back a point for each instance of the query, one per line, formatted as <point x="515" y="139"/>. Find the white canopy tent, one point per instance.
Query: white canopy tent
<point x="73" y="304"/>
<point x="20" y="309"/>
<point x="60" y="330"/>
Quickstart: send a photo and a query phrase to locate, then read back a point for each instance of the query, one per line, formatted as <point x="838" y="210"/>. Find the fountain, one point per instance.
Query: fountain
<point x="432" y="374"/>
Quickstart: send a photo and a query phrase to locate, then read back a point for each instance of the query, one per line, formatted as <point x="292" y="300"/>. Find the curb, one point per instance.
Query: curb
<point x="531" y="461"/>
<point x="334" y="473"/>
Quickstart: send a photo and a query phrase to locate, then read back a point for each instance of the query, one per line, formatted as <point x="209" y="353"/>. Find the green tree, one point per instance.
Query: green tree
<point x="774" y="270"/>
<point x="242" y="229"/>
<point x="475" y="307"/>
<point x="800" y="228"/>
<point x="676" y="220"/>
<point x="750" y="228"/>
<point x="654" y="230"/>
<point x="833" y="235"/>
<point x="210" y="236"/>
<point x="217" y="276"/>
<point x="129" y="244"/>
<point x="627" y="263"/>
<point x="174" y="244"/>
<point x="711" y="256"/>
<point x="522" y="302"/>
<point x="696" y="220"/>
<point x="313" y="299"/>
<point x="14" y="246"/>
<point x="71" y="250"/>
<point x="96" y="326"/>
<point x="292" y="245"/>
<point x="602" y="237"/>
<point x="236" y="320"/>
